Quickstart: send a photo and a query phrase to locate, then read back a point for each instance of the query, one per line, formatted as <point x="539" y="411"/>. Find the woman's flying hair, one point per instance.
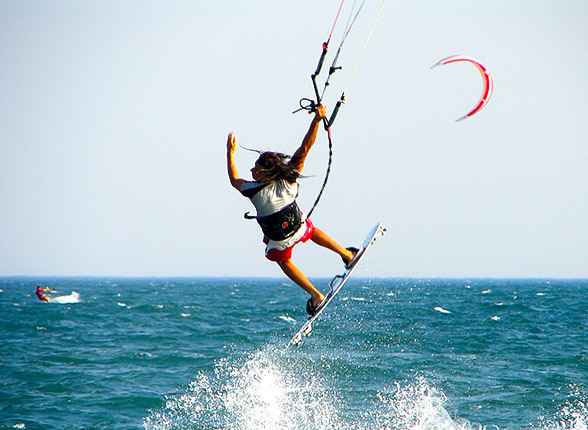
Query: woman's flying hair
<point x="275" y="165"/>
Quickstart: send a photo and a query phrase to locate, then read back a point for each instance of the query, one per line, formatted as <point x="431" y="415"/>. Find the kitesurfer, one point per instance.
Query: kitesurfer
<point x="40" y="293"/>
<point x="273" y="192"/>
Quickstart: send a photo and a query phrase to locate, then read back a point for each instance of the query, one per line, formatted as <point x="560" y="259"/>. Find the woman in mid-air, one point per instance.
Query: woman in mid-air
<point x="273" y="192"/>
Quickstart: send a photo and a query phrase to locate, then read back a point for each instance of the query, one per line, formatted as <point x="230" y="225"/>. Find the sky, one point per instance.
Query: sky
<point x="114" y="117"/>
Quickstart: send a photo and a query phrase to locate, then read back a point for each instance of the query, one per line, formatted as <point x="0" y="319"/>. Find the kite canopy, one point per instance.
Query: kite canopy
<point x="488" y="83"/>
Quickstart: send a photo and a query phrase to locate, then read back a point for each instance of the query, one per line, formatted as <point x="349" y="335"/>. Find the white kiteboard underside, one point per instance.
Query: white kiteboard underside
<point x="337" y="283"/>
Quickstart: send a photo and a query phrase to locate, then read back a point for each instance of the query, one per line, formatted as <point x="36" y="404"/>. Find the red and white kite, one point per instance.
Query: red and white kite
<point x="488" y="84"/>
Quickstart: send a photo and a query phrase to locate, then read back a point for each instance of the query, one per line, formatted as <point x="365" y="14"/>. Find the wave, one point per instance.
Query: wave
<point x="262" y="393"/>
<point x="572" y="416"/>
<point x="273" y="391"/>
<point x="74" y="297"/>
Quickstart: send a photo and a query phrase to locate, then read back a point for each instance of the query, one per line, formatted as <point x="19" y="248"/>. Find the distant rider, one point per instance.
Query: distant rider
<point x="40" y="293"/>
<point x="273" y="192"/>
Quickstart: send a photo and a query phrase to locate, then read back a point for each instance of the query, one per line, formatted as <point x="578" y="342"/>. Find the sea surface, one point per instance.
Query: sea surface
<point x="206" y="353"/>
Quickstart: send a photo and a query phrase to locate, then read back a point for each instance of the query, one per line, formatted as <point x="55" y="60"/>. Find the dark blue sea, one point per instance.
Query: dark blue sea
<point x="418" y="354"/>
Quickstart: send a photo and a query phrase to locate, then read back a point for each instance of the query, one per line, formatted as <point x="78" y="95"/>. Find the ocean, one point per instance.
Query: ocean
<point x="211" y="353"/>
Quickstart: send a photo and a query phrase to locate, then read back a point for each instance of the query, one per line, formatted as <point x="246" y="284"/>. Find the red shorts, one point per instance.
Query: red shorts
<point x="273" y="254"/>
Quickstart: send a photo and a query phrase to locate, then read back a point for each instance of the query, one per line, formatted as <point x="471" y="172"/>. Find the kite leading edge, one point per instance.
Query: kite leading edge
<point x="487" y="78"/>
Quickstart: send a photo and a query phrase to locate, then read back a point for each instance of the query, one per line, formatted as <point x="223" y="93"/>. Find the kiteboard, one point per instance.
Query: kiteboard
<point x="337" y="283"/>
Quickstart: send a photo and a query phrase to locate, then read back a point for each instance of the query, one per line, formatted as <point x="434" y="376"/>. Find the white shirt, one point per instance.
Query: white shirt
<point x="271" y="197"/>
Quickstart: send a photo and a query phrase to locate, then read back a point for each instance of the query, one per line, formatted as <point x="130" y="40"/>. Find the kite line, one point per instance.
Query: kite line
<point x="310" y="104"/>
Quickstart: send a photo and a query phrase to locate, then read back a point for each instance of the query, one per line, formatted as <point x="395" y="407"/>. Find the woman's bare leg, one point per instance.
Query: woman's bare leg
<point x="321" y="238"/>
<point x="301" y="280"/>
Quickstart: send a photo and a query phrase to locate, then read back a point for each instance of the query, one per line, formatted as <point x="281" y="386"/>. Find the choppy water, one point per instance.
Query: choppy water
<point x="211" y="354"/>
